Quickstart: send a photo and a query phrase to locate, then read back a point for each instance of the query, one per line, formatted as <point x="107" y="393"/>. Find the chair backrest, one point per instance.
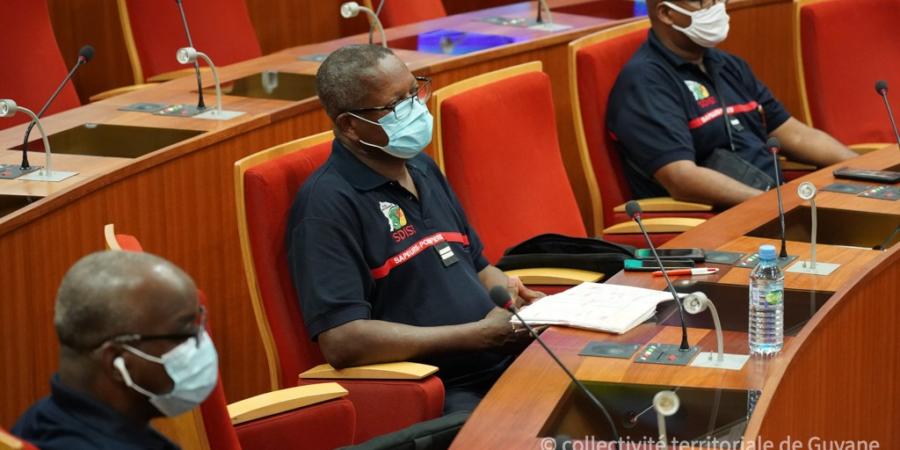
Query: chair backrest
<point x="594" y="65"/>
<point x="153" y="33"/>
<point x="496" y="141"/>
<point x="265" y="186"/>
<point x="845" y="46"/>
<point x="204" y="428"/>
<point x="401" y="12"/>
<point x="33" y="65"/>
<point x="10" y="442"/>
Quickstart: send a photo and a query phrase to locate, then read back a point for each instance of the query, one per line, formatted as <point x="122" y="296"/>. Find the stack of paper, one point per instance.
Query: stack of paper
<point x="603" y="307"/>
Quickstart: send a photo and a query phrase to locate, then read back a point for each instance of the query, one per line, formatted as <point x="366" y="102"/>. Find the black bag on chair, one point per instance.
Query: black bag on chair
<point x="556" y="250"/>
<point x="730" y="164"/>
<point x="434" y="434"/>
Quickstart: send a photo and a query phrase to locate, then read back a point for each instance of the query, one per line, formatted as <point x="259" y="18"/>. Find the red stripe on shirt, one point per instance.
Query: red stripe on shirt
<point x="716" y="113"/>
<point x="413" y="250"/>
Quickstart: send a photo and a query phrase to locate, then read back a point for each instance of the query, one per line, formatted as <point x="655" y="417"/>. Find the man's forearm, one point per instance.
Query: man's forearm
<point x="809" y="145"/>
<point x="699" y="184"/>
<point x="373" y="341"/>
<point x="491" y="276"/>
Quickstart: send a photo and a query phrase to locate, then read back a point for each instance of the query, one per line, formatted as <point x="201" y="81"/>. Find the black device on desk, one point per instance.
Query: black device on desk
<point x="693" y="254"/>
<point x="645" y="265"/>
<point x="880" y="176"/>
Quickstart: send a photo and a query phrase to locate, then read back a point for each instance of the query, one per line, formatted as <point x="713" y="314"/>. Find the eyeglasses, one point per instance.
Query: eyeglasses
<point x="178" y="337"/>
<point x="403" y="107"/>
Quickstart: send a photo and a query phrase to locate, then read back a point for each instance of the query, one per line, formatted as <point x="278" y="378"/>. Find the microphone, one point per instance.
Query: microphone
<point x="85" y="54"/>
<point x="775" y="147"/>
<point x="500" y="296"/>
<point x="634" y="211"/>
<point x="352" y="9"/>
<point x="881" y="87"/>
<point x="187" y="31"/>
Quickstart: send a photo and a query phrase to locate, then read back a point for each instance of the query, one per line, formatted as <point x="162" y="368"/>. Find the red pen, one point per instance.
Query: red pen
<point x="697" y="271"/>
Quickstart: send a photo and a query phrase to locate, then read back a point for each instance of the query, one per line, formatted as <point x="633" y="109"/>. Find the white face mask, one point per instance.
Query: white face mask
<point x="709" y="27"/>
<point x="193" y="368"/>
<point x="407" y="137"/>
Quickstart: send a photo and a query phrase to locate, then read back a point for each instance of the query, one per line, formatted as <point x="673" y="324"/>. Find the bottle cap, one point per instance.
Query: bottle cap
<point x="767" y="252"/>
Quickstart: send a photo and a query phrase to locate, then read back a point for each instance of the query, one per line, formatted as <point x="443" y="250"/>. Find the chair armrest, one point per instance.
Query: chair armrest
<point x="277" y="402"/>
<point x="862" y="149"/>
<point x="556" y="276"/>
<point x="8" y="441"/>
<point x="387" y="371"/>
<point x="656" y="225"/>
<point x="119" y="91"/>
<point x="175" y="74"/>
<point x="656" y="204"/>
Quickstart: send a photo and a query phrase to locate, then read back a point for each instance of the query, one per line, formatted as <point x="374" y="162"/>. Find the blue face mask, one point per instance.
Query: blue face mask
<point x="406" y="137"/>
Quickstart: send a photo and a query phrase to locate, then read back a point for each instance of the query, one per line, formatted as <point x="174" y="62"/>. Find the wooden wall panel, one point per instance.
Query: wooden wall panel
<point x="460" y="6"/>
<point x="287" y="23"/>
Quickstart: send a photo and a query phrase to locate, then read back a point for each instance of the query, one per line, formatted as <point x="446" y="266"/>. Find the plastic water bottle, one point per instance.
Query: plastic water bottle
<point x="766" y="304"/>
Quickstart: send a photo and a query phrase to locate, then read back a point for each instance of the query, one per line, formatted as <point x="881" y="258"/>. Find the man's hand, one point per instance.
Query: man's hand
<point x="496" y="330"/>
<point x="520" y="294"/>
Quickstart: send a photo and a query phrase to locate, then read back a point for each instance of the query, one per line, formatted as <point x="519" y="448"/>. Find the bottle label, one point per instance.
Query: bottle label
<point x="774" y="297"/>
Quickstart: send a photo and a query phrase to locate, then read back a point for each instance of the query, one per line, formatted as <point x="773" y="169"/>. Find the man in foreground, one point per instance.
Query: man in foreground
<point x="132" y="347"/>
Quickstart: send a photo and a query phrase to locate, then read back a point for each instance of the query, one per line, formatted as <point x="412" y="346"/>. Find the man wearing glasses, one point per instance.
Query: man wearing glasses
<point x="133" y="346"/>
<point x="665" y="113"/>
<point x="385" y="264"/>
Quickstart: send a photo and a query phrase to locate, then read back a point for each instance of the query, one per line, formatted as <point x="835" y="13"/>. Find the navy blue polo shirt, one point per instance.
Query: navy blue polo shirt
<point x="663" y="109"/>
<point x="69" y="419"/>
<point x="360" y="246"/>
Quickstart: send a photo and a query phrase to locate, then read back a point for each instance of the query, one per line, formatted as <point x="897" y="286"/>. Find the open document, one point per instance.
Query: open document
<point x="602" y="307"/>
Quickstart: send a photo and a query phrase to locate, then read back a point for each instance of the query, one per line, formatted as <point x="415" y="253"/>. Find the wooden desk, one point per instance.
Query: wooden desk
<point x="179" y="200"/>
<point x="838" y="379"/>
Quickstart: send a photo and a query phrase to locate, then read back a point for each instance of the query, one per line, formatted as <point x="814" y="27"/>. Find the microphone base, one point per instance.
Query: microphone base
<point x="666" y="355"/>
<point x="214" y="114"/>
<point x="183" y="110"/>
<point x="11" y="171"/>
<point x="42" y="175"/>
<point x="822" y="268"/>
<point x="730" y="361"/>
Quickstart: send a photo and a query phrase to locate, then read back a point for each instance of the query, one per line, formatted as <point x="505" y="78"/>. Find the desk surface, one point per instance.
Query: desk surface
<point x="866" y="287"/>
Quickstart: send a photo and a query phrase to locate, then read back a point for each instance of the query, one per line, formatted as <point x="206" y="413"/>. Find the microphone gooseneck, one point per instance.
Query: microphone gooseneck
<point x="881" y="87"/>
<point x="775" y="147"/>
<point x="85" y="54"/>
<point x="500" y="296"/>
<point x="633" y="209"/>
<point x="187" y="31"/>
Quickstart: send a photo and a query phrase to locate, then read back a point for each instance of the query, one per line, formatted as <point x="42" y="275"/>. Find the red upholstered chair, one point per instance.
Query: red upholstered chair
<point x="302" y="417"/>
<point x="387" y="397"/>
<point x="844" y="47"/>
<point x="401" y="12"/>
<point x="154" y="32"/>
<point x="10" y="442"/>
<point x="594" y="64"/>
<point x="33" y="66"/>
<point x="497" y="144"/>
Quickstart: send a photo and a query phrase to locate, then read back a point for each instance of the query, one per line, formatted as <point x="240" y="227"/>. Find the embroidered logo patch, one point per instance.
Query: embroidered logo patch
<point x="393" y="213"/>
<point x="700" y="92"/>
